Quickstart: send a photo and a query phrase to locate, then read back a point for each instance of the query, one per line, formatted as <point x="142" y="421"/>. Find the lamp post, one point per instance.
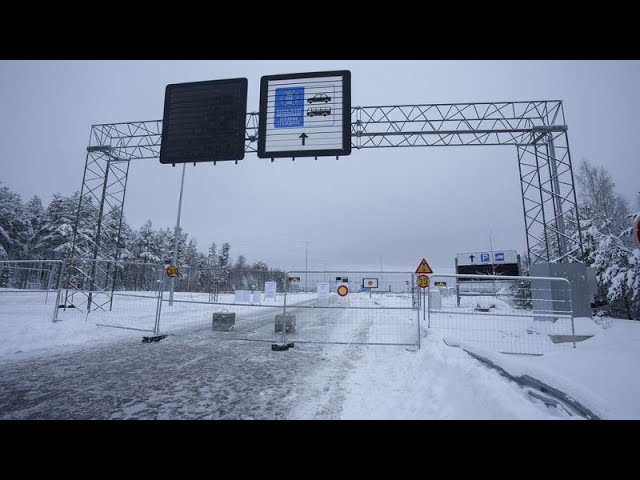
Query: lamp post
<point x="176" y="237"/>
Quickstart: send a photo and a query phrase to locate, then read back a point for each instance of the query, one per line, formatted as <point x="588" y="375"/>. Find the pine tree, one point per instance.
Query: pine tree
<point x="57" y="232"/>
<point x="224" y="265"/>
<point x="15" y="228"/>
<point x="36" y="216"/>
<point x="607" y="246"/>
<point x="212" y="257"/>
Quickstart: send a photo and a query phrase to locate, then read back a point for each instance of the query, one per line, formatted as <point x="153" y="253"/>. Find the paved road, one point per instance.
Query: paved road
<point x="187" y="376"/>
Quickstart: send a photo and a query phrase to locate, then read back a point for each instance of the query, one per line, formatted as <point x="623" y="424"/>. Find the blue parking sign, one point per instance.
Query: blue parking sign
<point x="484" y="257"/>
<point x="499" y="257"/>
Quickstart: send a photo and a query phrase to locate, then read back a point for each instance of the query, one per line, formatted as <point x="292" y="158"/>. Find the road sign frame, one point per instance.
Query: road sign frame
<point x="346" y="116"/>
<point x="188" y="108"/>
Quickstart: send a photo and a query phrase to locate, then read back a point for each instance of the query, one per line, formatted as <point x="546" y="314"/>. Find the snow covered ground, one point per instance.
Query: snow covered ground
<point x="75" y="369"/>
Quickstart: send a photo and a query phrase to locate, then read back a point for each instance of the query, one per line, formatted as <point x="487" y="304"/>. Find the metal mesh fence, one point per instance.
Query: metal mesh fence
<point x="352" y="307"/>
<point x="241" y="304"/>
<point x="109" y="293"/>
<point x="524" y="315"/>
<point x="29" y="287"/>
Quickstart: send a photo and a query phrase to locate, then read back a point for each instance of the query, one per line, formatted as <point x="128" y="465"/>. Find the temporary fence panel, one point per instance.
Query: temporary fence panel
<point x="112" y="294"/>
<point x="523" y="315"/>
<point x="352" y="308"/>
<point x="241" y="304"/>
<point x="29" y="287"/>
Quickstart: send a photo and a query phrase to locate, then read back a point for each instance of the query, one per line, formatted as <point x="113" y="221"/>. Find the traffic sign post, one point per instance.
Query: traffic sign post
<point x="423" y="282"/>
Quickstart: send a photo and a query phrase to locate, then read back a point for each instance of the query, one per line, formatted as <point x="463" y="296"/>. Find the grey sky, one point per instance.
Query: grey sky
<point x="389" y="205"/>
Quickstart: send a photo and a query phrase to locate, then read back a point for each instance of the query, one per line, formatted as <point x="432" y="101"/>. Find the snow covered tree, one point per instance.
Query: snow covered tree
<point x="145" y="245"/>
<point x="224" y="265"/>
<point x="192" y="257"/>
<point x="212" y="257"/>
<point x="57" y="231"/>
<point x="607" y="246"/>
<point x="598" y="200"/>
<point x="15" y="228"/>
<point x="618" y="270"/>
<point x="36" y="216"/>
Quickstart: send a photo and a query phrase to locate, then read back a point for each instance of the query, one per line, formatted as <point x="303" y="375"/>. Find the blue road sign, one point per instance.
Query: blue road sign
<point x="484" y="257"/>
<point x="289" y="111"/>
<point x="499" y="256"/>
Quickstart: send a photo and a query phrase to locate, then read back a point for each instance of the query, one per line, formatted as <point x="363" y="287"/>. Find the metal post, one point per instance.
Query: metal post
<point x="306" y="263"/>
<point x="284" y="308"/>
<point x="419" y="333"/>
<point x="59" y="294"/>
<point x="118" y="239"/>
<point x="413" y="293"/>
<point x="562" y="247"/>
<point x="92" y="279"/>
<point x="457" y="286"/>
<point x="424" y="303"/>
<point x="156" y="328"/>
<point x="176" y="236"/>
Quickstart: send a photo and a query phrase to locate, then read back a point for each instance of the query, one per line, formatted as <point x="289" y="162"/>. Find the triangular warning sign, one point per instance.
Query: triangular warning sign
<point x="424" y="267"/>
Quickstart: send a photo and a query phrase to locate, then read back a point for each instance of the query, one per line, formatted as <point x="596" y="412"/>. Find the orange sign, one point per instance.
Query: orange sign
<point x="423" y="281"/>
<point x="424" y="267"/>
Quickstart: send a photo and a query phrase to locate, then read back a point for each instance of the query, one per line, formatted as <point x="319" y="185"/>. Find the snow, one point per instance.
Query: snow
<point x="75" y="369"/>
<point x="600" y="372"/>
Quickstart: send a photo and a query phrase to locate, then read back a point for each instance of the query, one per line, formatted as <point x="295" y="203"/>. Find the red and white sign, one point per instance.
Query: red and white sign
<point x="636" y="232"/>
<point x="343" y="290"/>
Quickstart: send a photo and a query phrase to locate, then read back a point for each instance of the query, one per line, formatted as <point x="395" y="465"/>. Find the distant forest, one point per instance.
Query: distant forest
<point x="29" y="231"/>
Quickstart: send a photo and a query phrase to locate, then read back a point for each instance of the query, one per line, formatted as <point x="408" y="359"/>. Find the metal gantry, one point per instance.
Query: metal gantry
<point x="536" y="128"/>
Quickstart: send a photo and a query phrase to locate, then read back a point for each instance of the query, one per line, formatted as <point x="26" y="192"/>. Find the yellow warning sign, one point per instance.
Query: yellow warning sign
<point x="424" y="267"/>
<point x="423" y="281"/>
<point x="172" y="271"/>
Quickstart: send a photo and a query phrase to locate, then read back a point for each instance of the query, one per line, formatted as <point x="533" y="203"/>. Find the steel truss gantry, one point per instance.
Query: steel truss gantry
<point x="536" y="128"/>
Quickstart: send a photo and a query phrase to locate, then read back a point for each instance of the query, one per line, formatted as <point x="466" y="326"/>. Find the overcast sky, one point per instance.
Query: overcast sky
<point x="379" y="206"/>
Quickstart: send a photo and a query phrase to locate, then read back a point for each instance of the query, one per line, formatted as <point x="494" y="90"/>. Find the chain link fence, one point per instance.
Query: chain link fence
<point x="523" y="315"/>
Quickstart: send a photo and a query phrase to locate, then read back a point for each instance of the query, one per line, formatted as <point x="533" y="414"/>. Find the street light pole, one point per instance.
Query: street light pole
<point x="176" y="237"/>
